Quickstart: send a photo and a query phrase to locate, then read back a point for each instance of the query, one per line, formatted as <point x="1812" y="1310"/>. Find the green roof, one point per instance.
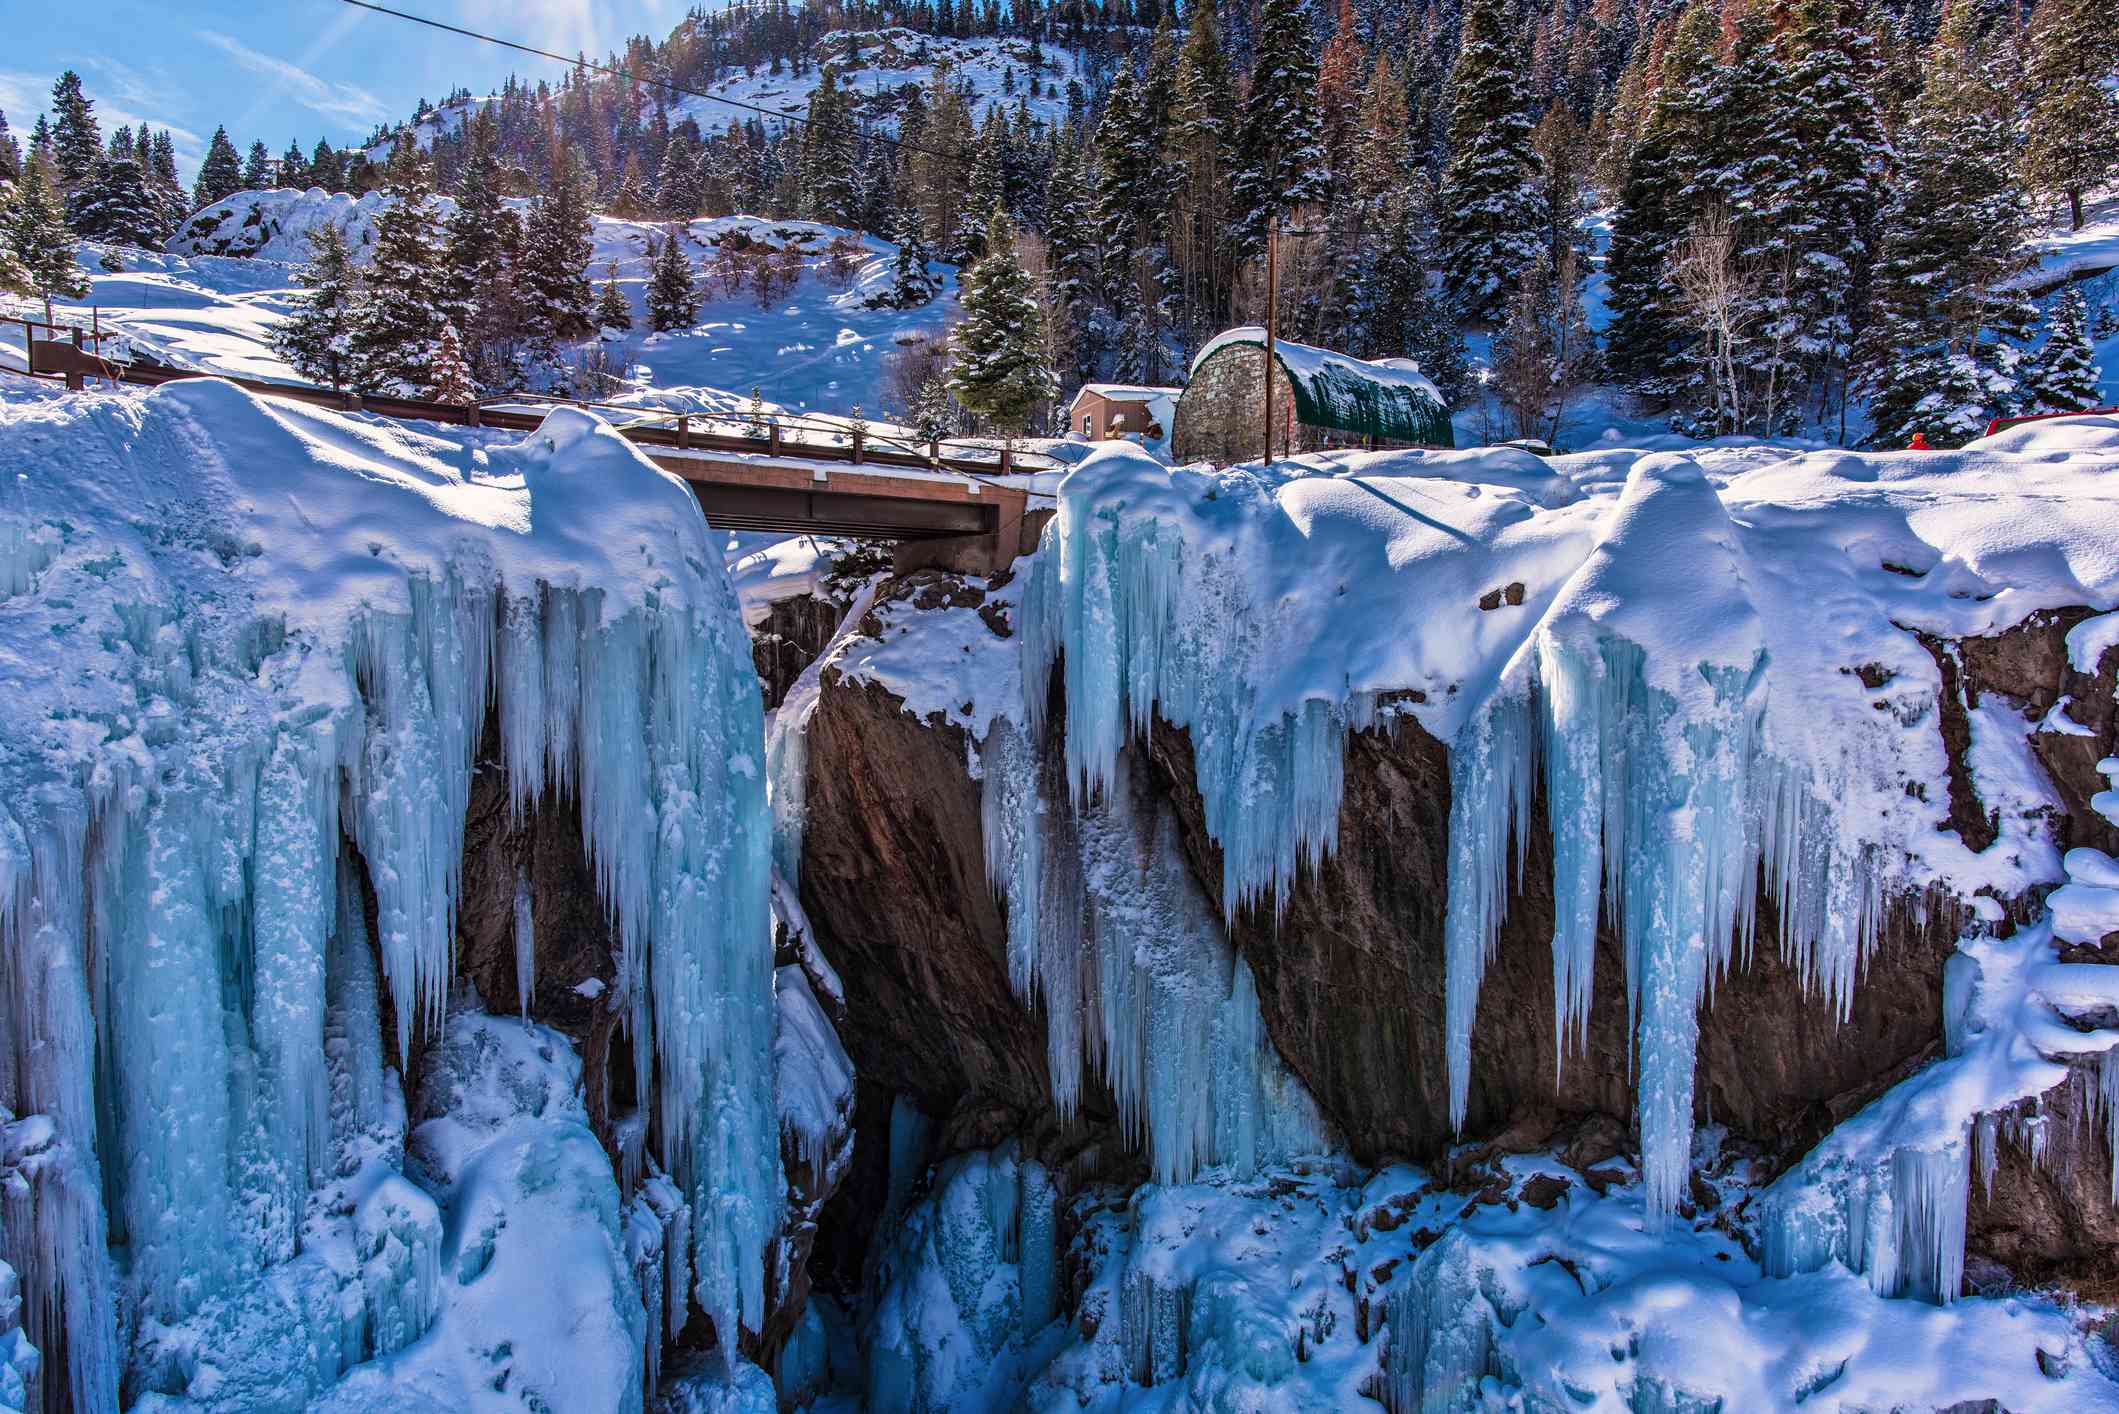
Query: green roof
<point x="1390" y="399"/>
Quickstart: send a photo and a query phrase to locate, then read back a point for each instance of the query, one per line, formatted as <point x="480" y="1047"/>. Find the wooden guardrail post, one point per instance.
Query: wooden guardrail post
<point x="859" y="437"/>
<point x="473" y="416"/>
<point x="773" y="439"/>
<point x="1007" y="460"/>
<point x="684" y="430"/>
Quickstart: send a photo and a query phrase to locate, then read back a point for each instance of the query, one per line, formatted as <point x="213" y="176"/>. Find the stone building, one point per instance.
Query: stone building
<point x="1321" y="399"/>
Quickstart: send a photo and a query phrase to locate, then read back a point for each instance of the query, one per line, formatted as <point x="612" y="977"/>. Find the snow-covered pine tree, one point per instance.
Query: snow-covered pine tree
<point x="314" y="339"/>
<point x="1941" y="354"/>
<point x="398" y="313"/>
<point x="14" y="271"/>
<point x="935" y="412"/>
<point x="831" y="185"/>
<point x="294" y="168"/>
<point x="998" y="371"/>
<point x="1829" y="220"/>
<point x="1070" y="257"/>
<point x="2064" y="376"/>
<point x="1280" y="159"/>
<point x="257" y="168"/>
<point x="672" y="296"/>
<point x="76" y="140"/>
<point x="2074" y="103"/>
<point x="912" y="284"/>
<point x="553" y="278"/>
<point x="10" y="154"/>
<point x="1487" y="217"/>
<point x="115" y="205"/>
<point x="448" y="373"/>
<point x="42" y="242"/>
<point x="480" y="240"/>
<point x="677" y="192"/>
<point x="221" y="174"/>
<point x="989" y="187"/>
<point x="612" y="310"/>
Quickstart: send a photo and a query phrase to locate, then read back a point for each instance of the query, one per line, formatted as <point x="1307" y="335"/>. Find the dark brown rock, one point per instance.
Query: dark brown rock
<point x="793" y="634"/>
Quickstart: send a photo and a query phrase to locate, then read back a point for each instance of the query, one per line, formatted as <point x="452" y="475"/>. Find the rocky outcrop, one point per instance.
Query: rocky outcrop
<point x="1350" y="980"/>
<point x="793" y="634"/>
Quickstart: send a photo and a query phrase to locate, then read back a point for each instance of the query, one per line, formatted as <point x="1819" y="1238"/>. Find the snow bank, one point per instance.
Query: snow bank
<point x="233" y="629"/>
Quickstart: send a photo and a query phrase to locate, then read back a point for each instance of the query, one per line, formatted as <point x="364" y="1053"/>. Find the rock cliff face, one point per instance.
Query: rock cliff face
<point x="1350" y="975"/>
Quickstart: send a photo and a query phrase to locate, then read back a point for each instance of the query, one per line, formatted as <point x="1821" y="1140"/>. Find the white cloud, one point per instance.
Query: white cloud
<point x="332" y="100"/>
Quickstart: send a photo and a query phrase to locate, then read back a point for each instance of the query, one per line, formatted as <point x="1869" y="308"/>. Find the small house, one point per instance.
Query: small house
<point x="1101" y="412"/>
<point x="1321" y="399"/>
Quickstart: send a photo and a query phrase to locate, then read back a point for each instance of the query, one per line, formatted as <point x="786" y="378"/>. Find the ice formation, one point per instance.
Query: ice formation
<point x="963" y="1288"/>
<point x="282" y="628"/>
<point x="1107" y="927"/>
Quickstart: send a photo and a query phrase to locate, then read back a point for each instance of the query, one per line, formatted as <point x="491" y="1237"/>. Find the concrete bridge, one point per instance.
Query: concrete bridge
<point x="949" y="504"/>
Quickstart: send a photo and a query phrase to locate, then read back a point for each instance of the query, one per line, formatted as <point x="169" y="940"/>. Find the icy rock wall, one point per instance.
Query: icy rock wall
<point x="282" y="627"/>
<point x="1107" y="927"/>
<point x="964" y="1287"/>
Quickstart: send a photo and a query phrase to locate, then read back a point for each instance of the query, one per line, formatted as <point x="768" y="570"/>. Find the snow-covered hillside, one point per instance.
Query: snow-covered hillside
<point x="213" y="300"/>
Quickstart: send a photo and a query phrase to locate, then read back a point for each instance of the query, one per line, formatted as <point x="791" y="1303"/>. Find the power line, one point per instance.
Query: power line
<point x="615" y="71"/>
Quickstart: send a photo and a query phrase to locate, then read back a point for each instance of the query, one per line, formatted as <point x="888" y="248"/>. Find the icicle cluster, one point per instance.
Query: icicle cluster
<point x="1147" y="626"/>
<point x="1108" y="928"/>
<point x="217" y="887"/>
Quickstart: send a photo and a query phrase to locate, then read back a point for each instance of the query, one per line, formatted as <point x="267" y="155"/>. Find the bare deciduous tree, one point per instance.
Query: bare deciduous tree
<point x="1721" y="295"/>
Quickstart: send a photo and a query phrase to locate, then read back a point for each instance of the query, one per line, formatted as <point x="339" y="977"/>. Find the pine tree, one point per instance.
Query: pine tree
<point x="612" y="310"/>
<point x="479" y="238"/>
<point x="10" y="154"/>
<point x="1196" y="154"/>
<point x="1647" y="342"/>
<point x="42" y="241"/>
<point x="1942" y="354"/>
<point x="115" y="205"/>
<point x="15" y="278"/>
<point x="554" y="281"/>
<point x="912" y="284"/>
<point x="294" y="169"/>
<point x="449" y="376"/>
<point x="672" y="296"/>
<point x="677" y="191"/>
<point x="1070" y="248"/>
<point x="935" y="413"/>
<point x="2064" y="377"/>
<point x="257" y="168"/>
<point x="1128" y="148"/>
<point x="76" y="140"/>
<point x="2074" y="105"/>
<point x="1830" y="217"/>
<point x="999" y="371"/>
<point x="398" y="313"/>
<point x="1488" y="220"/>
<point x="221" y="174"/>
<point x="828" y="157"/>
<point x="315" y="338"/>
<point x="1280" y="162"/>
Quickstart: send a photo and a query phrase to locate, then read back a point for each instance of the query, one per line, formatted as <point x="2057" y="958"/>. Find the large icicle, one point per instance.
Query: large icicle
<point x="1108" y="927"/>
<point x="321" y="634"/>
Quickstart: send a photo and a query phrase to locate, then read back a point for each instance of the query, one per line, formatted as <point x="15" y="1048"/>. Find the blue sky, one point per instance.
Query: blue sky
<point x="286" y="68"/>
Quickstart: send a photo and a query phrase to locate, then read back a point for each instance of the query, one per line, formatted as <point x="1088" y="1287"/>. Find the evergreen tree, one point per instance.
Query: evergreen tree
<point x="221" y="174"/>
<point x="10" y="154"/>
<point x="1648" y="344"/>
<point x="41" y="241"/>
<point x="326" y="169"/>
<point x="1196" y="154"/>
<point x="1942" y="353"/>
<point x="294" y="169"/>
<point x="553" y="279"/>
<point x="15" y="278"/>
<point x="2074" y="104"/>
<point x="1070" y="250"/>
<point x="999" y="371"/>
<point x="828" y="156"/>
<point x="2064" y="378"/>
<point x="935" y="412"/>
<point x="315" y="338"/>
<point x="76" y="140"/>
<point x="1280" y="161"/>
<point x="1128" y="148"/>
<point x="912" y="284"/>
<point x="1829" y="220"/>
<point x="672" y="296"/>
<point x="612" y="310"/>
<point x="677" y="190"/>
<point x="1488" y="218"/>
<point x="449" y="375"/>
<point x="398" y="313"/>
<point x="115" y="205"/>
<point x="257" y="168"/>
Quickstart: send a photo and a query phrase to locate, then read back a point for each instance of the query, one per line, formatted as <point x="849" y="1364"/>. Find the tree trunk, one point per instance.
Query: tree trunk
<point x="2074" y="207"/>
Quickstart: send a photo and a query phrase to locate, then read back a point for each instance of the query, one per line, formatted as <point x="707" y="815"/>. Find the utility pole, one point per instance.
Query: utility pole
<point x="1274" y="231"/>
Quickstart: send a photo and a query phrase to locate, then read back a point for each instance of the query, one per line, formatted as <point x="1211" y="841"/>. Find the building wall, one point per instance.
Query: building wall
<point x="1221" y="413"/>
<point x="1095" y="416"/>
